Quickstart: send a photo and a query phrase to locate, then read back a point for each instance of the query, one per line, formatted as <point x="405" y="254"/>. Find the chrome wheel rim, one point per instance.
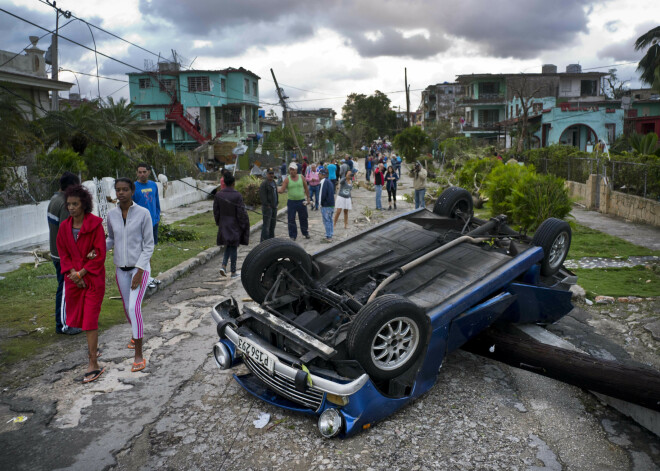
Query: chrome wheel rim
<point x="394" y="343"/>
<point x="558" y="250"/>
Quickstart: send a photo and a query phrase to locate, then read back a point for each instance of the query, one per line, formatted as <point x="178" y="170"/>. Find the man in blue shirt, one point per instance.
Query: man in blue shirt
<point x="146" y="195"/>
<point x="332" y="173"/>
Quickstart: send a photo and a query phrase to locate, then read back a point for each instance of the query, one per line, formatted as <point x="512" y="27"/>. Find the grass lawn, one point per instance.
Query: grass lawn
<point x="27" y="295"/>
<point x="587" y="242"/>
<point x="619" y="281"/>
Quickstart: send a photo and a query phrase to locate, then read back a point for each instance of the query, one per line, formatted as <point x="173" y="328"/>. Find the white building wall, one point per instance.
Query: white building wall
<point x="21" y="226"/>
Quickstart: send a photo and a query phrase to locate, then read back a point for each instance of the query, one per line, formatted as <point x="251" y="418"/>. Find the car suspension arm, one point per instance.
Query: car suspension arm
<point x="402" y="270"/>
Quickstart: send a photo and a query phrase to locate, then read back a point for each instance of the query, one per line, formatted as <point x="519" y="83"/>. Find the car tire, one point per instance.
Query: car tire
<point x="554" y="237"/>
<point x="452" y="199"/>
<point x="264" y="263"/>
<point x="388" y="335"/>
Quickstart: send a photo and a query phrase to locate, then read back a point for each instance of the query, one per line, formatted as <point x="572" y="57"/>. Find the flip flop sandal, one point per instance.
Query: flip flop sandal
<point x="92" y="375"/>
<point x="139" y="366"/>
<point x="131" y="345"/>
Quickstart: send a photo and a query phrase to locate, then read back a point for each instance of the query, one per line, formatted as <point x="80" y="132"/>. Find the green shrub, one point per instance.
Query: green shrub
<point x="499" y="185"/>
<point x="248" y="187"/>
<point x="476" y="170"/>
<point x="537" y="197"/>
<point x="168" y="233"/>
<point x="102" y="162"/>
<point x="59" y="161"/>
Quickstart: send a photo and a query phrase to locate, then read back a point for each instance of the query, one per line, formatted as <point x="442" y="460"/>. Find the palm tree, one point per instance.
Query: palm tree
<point x="16" y="131"/>
<point x="75" y="128"/>
<point x="122" y="124"/>
<point x="649" y="66"/>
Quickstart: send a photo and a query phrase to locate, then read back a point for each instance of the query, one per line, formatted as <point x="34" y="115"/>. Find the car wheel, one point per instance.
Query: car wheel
<point x="554" y="236"/>
<point x="265" y="262"/>
<point x="453" y="199"/>
<point x="388" y="335"/>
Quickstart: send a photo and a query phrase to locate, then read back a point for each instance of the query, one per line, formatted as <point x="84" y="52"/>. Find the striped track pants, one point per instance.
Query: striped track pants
<point x="132" y="298"/>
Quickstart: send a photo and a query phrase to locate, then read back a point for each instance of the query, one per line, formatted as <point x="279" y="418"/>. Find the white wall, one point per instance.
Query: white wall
<point x="25" y="225"/>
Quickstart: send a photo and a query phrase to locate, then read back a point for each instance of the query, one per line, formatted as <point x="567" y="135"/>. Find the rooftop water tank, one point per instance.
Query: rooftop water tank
<point x="548" y="69"/>
<point x="573" y="69"/>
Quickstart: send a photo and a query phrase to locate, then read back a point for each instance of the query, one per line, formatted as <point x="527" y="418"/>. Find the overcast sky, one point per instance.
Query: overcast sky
<point x="323" y="50"/>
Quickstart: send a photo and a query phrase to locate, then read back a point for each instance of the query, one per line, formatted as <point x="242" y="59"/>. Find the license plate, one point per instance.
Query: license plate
<point x="257" y="354"/>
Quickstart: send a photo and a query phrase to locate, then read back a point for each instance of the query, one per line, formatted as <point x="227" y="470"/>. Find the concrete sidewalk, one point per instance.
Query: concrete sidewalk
<point x="638" y="234"/>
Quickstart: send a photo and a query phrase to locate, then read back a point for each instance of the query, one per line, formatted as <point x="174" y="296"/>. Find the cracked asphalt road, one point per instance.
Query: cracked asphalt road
<point x="182" y="412"/>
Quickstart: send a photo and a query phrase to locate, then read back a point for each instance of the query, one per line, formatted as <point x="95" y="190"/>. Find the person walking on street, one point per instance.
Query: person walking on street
<point x="390" y="183"/>
<point x="269" y="202"/>
<point x="327" y="197"/>
<point x="81" y="247"/>
<point x="368" y="164"/>
<point x="233" y="223"/>
<point x="343" y="168"/>
<point x="297" y="190"/>
<point x="130" y="233"/>
<point x="313" y="181"/>
<point x="419" y="184"/>
<point x="379" y="181"/>
<point x="332" y="173"/>
<point x="397" y="164"/>
<point x="343" y="201"/>
<point x="146" y="195"/>
<point x="56" y="214"/>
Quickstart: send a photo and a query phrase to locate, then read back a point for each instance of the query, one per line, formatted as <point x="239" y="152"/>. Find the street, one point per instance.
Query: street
<point x="183" y="412"/>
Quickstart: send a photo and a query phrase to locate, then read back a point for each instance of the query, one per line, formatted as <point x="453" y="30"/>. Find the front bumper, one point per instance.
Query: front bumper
<point x="286" y="379"/>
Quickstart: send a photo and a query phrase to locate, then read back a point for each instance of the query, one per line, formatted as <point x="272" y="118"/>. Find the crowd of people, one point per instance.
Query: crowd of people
<point x="79" y="244"/>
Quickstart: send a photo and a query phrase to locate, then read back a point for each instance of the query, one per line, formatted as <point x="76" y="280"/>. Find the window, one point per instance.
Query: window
<point x="167" y="85"/>
<point x="198" y="84"/>
<point x="489" y="88"/>
<point x="246" y="86"/>
<point x="611" y="132"/>
<point x="588" y="87"/>
<point x="488" y="117"/>
<point x="223" y="85"/>
<point x="254" y="88"/>
<point x="144" y="83"/>
<point x="145" y="115"/>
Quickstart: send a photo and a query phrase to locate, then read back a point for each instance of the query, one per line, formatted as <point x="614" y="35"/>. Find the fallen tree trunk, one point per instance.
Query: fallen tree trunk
<point x="637" y="385"/>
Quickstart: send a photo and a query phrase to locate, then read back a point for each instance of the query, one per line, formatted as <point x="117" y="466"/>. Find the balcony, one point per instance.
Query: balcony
<point x="488" y="126"/>
<point x="485" y="98"/>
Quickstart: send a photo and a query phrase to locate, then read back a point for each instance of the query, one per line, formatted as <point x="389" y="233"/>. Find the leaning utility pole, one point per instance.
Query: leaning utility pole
<point x="407" y="96"/>
<point x="55" y="103"/>
<point x="285" y="113"/>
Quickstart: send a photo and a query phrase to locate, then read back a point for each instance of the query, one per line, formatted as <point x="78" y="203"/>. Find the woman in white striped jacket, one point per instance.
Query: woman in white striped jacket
<point x="130" y="233"/>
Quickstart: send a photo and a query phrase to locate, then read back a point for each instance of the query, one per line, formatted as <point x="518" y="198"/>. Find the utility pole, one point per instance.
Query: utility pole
<point x="285" y="113"/>
<point x="55" y="103"/>
<point x="407" y="95"/>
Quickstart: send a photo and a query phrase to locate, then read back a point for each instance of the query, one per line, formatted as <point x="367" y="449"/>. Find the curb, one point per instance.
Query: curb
<point x="185" y="267"/>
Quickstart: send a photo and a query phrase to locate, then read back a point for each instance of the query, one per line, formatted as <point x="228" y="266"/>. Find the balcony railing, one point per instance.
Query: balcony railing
<point x="484" y="98"/>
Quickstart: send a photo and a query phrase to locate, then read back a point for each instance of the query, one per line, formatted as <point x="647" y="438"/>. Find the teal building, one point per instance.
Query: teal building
<point x="182" y="109"/>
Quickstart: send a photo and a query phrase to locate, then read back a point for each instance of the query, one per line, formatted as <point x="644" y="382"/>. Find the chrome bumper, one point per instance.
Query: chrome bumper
<point x="322" y="384"/>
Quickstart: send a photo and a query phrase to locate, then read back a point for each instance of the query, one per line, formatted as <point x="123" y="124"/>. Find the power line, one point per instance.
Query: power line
<point x="40" y="38"/>
<point x="106" y="31"/>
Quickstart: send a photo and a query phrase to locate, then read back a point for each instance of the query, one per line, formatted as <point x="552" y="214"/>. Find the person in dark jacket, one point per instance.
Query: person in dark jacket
<point x="327" y="197"/>
<point x="233" y="223"/>
<point x="269" y="201"/>
<point x="57" y="213"/>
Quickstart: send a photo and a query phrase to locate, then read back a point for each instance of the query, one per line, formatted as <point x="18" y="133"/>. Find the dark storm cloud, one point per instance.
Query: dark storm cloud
<point x="15" y="32"/>
<point x="520" y="28"/>
<point x="625" y="50"/>
<point x="390" y="42"/>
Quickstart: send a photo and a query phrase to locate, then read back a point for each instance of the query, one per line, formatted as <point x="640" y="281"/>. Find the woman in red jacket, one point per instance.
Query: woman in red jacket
<point x="84" y="285"/>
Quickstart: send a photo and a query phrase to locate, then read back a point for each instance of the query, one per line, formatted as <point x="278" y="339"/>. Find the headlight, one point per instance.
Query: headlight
<point x="222" y="355"/>
<point x="330" y="423"/>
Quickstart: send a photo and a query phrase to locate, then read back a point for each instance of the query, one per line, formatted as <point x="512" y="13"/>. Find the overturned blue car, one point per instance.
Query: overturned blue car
<point x="355" y="332"/>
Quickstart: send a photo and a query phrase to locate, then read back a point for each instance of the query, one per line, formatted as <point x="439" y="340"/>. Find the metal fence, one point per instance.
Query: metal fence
<point x="634" y="178"/>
